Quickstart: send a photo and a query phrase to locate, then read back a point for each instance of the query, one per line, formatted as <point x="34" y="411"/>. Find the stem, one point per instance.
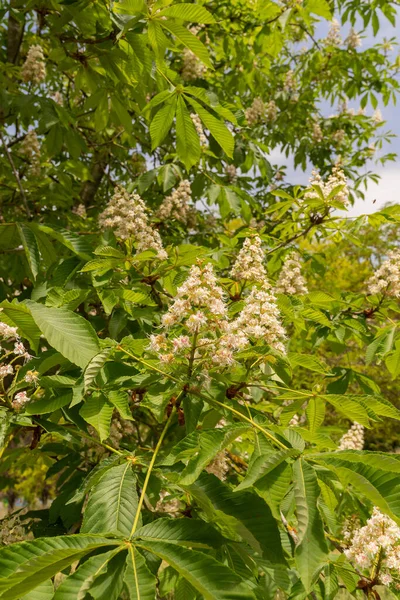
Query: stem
<point x="249" y="420"/>
<point x="149" y="470"/>
<point x="146" y="364"/>
<point x="92" y="439"/>
<point x="14" y="170"/>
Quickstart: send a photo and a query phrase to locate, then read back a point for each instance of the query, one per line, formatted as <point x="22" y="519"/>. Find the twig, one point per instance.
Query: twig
<point x="21" y="189"/>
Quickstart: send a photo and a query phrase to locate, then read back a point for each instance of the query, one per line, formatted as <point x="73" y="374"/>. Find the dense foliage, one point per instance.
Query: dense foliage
<point x="193" y="350"/>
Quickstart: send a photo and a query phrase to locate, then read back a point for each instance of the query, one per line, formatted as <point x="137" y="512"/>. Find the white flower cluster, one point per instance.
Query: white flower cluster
<point x="20" y="400"/>
<point x="260" y="319"/>
<point x="387" y="278"/>
<point x="30" y="148"/>
<point x="377" y="116"/>
<point x="58" y="98"/>
<point x="339" y="137"/>
<point x="337" y="178"/>
<point x="317" y="135"/>
<point x="8" y="332"/>
<point x="379" y="538"/>
<point x="230" y="171"/>
<point x="334" y="37"/>
<point x="200" y="312"/>
<point x="192" y="68"/>
<point x="219" y="466"/>
<point x="353" y="40"/>
<point x="6" y="370"/>
<point x="34" y="68"/>
<point x="176" y="205"/>
<point x="271" y="111"/>
<point x="289" y="84"/>
<point x="31" y="376"/>
<point x="126" y="214"/>
<point x="353" y="439"/>
<point x="256" y="112"/>
<point x="249" y="263"/>
<point x="290" y="279"/>
<point x="199" y="129"/>
<point x="168" y="505"/>
<point x="80" y="211"/>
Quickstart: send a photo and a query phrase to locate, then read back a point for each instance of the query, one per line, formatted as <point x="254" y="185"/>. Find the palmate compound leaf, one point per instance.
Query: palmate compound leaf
<point x="214" y="580"/>
<point x="311" y="551"/>
<point x="69" y="333"/>
<point x="263" y="465"/>
<point x="112" y="503"/>
<point x="24" y="566"/>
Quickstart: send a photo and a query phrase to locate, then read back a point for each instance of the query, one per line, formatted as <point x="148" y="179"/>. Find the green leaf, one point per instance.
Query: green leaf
<point x="112" y="503"/>
<point x="183" y="532"/>
<point x="315" y="412"/>
<point x="31" y="248"/>
<point x="17" y="314"/>
<point x="214" y="580"/>
<point x="98" y="412"/>
<point x="69" y="333"/>
<point x="139" y="580"/>
<point x="119" y="399"/>
<point x="210" y="442"/>
<point x="307" y="362"/>
<point x="373" y="474"/>
<point x="45" y="591"/>
<point x="263" y="465"/>
<point x="77" y="244"/>
<point x="250" y="516"/>
<point x="187" y="140"/>
<point x="26" y="565"/>
<point x="79" y="583"/>
<point x="95" y="365"/>
<point x="185" y="37"/>
<point x="311" y="551"/>
<point x="48" y="405"/>
<point x="216" y="127"/>
<point x="162" y="122"/>
<point x="188" y="12"/>
<point x="319" y="7"/>
<point x="108" y="585"/>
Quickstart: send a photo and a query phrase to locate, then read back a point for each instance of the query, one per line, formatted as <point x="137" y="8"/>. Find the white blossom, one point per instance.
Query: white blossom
<point x="167" y="504"/>
<point x="271" y="111"/>
<point x="80" y="211"/>
<point x="289" y="84"/>
<point x="380" y="536"/>
<point x="353" y="40"/>
<point x="230" y="171"/>
<point x="192" y="68"/>
<point x="339" y="136"/>
<point x="353" y="439"/>
<point x="199" y="129"/>
<point x="196" y="326"/>
<point x="260" y="319"/>
<point x="30" y="148"/>
<point x="290" y="279"/>
<point x="31" y="376"/>
<point x="20" y="400"/>
<point x="219" y="466"/>
<point x="126" y="214"/>
<point x="5" y="370"/>
<point x="19" y="349"/>
<point x="177" y="205"/>
<point x="256" y="112"/>
<point x="377" y="116"/>
<point x="387" y="278"/>
<point x="6" y="331"/>
<point x="317" y="135"/>
<point x="336" y="179"/>
<point x="34" y="68"/>
<point x="334" y="37"/>
<point x="249" y="263"/>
